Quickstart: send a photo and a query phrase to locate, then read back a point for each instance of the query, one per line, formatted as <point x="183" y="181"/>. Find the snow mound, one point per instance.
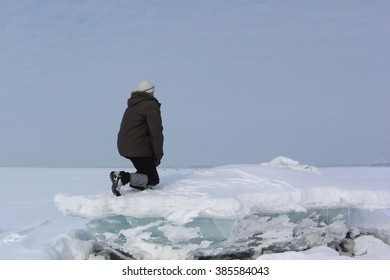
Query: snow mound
<point x="285" y="162"/>
<point x="231" y="211"/>
<point x="228" y="192"/>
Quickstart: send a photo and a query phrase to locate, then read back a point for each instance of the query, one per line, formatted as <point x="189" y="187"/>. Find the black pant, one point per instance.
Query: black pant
<point x="147" y="166"/>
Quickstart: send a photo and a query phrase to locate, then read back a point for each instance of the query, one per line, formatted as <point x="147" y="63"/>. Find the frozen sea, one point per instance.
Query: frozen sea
<point x="276" y="210"/>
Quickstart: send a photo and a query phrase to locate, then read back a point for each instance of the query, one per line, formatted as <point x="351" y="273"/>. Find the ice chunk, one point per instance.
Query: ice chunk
<point x="285" y="162"/>
<point x="258" y="233"/>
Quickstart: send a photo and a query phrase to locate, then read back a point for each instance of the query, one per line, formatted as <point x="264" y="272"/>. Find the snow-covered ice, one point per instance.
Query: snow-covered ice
<point x="276" y="210"/>
<point x="285" y="162"/>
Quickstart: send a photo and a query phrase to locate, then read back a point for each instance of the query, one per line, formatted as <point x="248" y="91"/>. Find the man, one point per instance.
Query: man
<point x="140" y="139"/>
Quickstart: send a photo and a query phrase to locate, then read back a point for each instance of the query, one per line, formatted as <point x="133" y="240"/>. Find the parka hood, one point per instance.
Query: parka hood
<point x="140" y="96"/>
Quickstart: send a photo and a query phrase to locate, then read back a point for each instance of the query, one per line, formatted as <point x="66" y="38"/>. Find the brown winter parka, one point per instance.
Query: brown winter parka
<point x="141" y="130"/>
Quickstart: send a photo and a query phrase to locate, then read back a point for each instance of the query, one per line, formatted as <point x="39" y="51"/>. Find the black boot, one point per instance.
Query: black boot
<point x="116" y="179"/>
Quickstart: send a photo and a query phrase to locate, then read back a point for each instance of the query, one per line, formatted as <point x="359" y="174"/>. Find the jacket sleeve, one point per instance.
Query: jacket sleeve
<point x="155" y="128"/>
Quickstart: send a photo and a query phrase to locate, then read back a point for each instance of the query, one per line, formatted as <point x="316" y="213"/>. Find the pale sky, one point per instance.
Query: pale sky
<point x="240" y="82"/>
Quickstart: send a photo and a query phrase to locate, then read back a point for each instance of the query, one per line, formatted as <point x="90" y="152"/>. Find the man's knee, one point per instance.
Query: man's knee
<point x="153" y="180"/>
